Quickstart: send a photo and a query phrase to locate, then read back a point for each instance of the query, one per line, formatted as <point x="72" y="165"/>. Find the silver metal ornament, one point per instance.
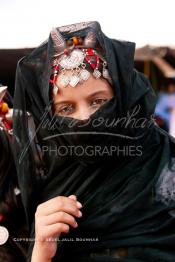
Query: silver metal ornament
<point x="84" y="74"/>
<point x="55" y="90"/>
<point x="3" y="90"/>
<point x="73" y="60"/>
<point x="59" y="42"/>
<point x="4" y="235"/>
<point x="96" y="73"/>
<point x="74" y="80"/>
<point x="65" y="80"/>
<point x="106" y="73"/>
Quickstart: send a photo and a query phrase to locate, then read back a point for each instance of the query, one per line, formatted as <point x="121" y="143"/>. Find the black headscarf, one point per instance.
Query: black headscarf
<point x="127" y="199"/>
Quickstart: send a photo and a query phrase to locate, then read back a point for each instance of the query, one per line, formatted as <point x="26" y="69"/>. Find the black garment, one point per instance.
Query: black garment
<point x="11" y="207"/>
<point x="15" y="249"/>
<point x="124" y="203"/>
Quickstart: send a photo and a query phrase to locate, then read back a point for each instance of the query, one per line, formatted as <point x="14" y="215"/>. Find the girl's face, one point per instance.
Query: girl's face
<point x="83" y="100"/>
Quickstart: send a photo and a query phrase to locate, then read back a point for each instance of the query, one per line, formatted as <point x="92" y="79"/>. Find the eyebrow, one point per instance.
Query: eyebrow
<point x="98" y="92"/>
<point x="89" y="97"/>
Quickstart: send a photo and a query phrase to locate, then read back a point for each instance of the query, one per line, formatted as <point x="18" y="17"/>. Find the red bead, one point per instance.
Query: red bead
<point x="55" y="78"/>
<point x="2" y="217"/>
<point x="92" y="65"/>
<point x="97" y="62"/>
<point x="56" y="69"/>
<point x="90" y="51"/>
<point x="51" y="81"/>
<point x="7" y="124"/>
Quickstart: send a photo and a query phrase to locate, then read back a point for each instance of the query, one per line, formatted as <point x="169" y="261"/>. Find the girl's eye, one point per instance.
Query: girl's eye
<point x="99" y="101"/>
<point x="65" y="110"/>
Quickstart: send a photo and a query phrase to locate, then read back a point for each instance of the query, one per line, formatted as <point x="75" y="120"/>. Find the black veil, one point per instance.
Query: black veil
<point x="123" y="200"/>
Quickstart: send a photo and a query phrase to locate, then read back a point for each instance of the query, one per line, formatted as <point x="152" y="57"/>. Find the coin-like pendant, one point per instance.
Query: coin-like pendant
<point x="96" y="73"/>
<point x="106" y="73"/>
<point x="74" y="80"/>
<point x="55" y="90"/>
<point x="73" y="60"/>
<point x="4" y="235"/>
<point x="84" y="74"/>
<point x="64" y="80"/>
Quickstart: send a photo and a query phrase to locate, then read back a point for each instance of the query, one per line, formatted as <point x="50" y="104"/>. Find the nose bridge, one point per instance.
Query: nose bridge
<point x="83" y="111"/>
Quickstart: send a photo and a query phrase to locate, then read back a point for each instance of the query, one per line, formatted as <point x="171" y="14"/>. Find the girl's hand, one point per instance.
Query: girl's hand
<point x="52" y="218"/>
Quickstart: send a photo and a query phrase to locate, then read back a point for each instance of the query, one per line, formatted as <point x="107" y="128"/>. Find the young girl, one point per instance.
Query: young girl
<point x="96" y="173"/>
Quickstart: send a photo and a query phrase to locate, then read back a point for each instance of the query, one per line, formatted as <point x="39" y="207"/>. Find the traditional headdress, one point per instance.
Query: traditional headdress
<point x="76" y="55"/>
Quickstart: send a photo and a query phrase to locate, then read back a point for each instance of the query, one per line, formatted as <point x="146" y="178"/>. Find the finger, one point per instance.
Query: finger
<point x="59" y="204"/>
<point x="75" y="198"/>
<point x="53" y="230"/>
<point x="72" y="197"/>
<point x="53" y="205"/>
<point x="60" y="217"/>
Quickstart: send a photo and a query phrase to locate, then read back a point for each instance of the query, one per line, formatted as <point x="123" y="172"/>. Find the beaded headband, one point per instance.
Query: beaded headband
<point x="76" y="55"/>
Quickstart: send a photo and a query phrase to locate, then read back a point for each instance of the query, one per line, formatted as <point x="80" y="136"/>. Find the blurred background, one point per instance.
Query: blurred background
<point x="150" y="24"/>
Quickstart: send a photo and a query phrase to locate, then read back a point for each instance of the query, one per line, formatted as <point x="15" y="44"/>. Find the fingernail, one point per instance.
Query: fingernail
<point x="73" y="196"/>
<point x="76" y="225"/>
<point x="79" y="204"/>
<point x="79" y="213"/>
